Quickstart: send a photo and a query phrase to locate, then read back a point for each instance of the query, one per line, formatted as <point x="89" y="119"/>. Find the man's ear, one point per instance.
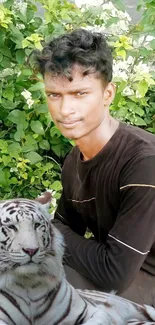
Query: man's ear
<point x="109" y="93"/>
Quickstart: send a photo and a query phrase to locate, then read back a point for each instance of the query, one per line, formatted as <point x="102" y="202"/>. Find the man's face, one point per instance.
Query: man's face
<point x="77" y="107"/>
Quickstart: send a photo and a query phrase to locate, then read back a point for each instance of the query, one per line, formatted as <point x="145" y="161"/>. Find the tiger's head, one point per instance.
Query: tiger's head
<point x="30" y="246"/>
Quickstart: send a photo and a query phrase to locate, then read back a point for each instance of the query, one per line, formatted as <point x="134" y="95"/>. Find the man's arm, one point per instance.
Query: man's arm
<point x="113" y="265"/>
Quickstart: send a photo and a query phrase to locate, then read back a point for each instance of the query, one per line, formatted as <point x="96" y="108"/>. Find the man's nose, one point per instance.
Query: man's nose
<point x="66" y="107"/>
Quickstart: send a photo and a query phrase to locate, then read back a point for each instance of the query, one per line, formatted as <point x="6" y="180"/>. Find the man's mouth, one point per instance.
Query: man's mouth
<point x="70" y="124"/>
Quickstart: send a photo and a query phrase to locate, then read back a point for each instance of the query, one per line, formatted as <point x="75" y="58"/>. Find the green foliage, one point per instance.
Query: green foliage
<point x="29" y="141"/>
<point x="31" y="147"/>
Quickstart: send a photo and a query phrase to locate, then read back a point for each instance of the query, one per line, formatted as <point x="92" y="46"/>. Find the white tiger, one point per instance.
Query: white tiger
<point x="33" y="287"/>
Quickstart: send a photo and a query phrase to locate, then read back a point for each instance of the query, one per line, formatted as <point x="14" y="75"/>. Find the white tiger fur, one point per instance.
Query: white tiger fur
<point x="33" y="287"/>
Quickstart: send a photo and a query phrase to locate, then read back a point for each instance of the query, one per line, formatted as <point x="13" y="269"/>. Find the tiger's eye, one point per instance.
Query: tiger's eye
<point x="36" y="225"/>
<point x="13" y="227"/>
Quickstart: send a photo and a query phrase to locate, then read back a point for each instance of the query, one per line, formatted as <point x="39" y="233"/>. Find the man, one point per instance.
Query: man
<point x="109" y="176"/>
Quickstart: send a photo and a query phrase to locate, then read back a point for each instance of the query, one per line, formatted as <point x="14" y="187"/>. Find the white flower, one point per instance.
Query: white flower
<point x="141" y="68"/>
<point x="143" y="40"/>
<point x="149" y="38"/>
<point x="119" y="27"/>
<point x="120" y="75"/>
<point x="13" y="169"/>
<point x="123" y="15"/>
<point x="6" y="72"/>
<point x="130" y="60"/>
<point x="79" y="3"/>
<point x="54" y="202"/>
<point x="120" y="70"/>
<point x="30" y="102"/>
<point x="21" y="6"/>
<point x="128" y="91"/>
<point x="20" y="26"/>
<point x="26" y="94"/>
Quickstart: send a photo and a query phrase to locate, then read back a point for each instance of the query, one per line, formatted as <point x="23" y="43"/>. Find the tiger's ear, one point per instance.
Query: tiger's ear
<point x="45" y="199"/>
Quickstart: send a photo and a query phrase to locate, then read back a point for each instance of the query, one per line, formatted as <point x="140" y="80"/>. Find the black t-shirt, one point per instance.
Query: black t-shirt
<point x="112" y="194"/>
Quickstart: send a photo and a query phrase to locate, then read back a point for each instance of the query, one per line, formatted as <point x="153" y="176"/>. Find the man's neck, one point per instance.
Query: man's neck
<point x="93" y="142"/>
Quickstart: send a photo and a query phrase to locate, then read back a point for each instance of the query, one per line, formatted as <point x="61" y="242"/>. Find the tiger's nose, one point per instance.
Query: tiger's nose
<point x="30" y="251"/>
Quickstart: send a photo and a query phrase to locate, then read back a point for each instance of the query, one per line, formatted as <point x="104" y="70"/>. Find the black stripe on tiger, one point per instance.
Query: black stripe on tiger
<point x="52" y="295"/>
<point x="14" y="303"/>
<point x="8" y="315"/>
<point x="82" y="316"/>
<point x="65" y="313"/>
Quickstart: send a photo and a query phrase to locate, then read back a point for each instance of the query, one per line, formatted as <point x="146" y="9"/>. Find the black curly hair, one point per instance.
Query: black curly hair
<point x="80" y="47"/>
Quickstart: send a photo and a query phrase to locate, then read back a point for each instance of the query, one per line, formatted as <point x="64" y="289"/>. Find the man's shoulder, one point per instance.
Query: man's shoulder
<point x="138" y="140"/>
<point x="137" y="132"/>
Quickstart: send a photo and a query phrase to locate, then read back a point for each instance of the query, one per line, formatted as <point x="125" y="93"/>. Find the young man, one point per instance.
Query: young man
<point x="109" y="176"/>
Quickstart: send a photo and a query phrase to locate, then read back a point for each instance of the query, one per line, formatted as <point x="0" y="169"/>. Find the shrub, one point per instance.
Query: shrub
<point x="32" y="149"/>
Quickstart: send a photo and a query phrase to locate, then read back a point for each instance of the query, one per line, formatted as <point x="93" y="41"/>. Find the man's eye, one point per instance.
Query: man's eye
<point x="53" y="95"/>
<point x="81" y="93"/>
<point x="13" y="227"/>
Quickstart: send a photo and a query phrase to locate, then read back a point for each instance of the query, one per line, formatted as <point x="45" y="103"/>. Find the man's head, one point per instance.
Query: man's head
<point x="81" y="47"/>
<point x="77" y="70"/>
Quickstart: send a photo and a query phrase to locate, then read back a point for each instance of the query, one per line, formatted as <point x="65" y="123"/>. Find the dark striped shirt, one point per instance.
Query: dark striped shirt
<point x="112" y="194"/>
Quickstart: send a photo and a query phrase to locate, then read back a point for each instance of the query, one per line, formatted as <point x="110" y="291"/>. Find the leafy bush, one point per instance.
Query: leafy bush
<point x="31" y="148"/>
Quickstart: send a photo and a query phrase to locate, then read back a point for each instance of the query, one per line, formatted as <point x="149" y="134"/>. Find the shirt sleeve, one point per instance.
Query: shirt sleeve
<point x="114" y="264"/>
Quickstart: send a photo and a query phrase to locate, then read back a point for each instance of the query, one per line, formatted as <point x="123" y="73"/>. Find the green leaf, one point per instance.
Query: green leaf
<point x="37" y="86"/>
<point x="8" y="93"/>
<point x="9" y="105"/>
<point x="121" y="86"/>
<point x="30" y="144"/>
<point x="152" y="44"/>
<point x="3" y="146"/>
<point x="6" y="63"/>
<point x="34" y="157"/>
<point x="19" y="134"/>
<point x="72" y="143"/>
<point x="25" y="43"/>
<point x="13" y="180"/>
<point x="27" y="72"/>
<point x="41" y="108"/>
<point x="4" y="177"/>
<point x="20" y="56"/>
<point x="54" y="132"/>
<point x="6" y="160"/>
<point x="18" y="117"/>
<point x="6" y="51"/>
<point x="138" y="110"/>
<point x="14" y="149"/>
<point x="142" y="87"/>
<point x="37" y="127"/>
<point x="44" y="144"/>
<point x="122" y="53"/>
<point x="57" y="150"/>
<point x="56" y="186"/>
<point x="139" y="121"/>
